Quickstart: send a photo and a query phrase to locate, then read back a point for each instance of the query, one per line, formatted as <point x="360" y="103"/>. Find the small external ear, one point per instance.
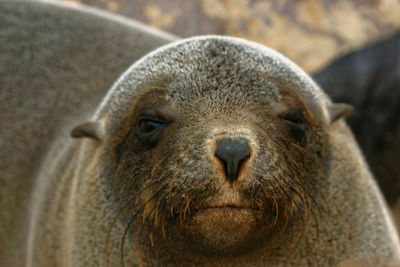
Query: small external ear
<point x="91" y="129"/>
<point x="339" y="110"/>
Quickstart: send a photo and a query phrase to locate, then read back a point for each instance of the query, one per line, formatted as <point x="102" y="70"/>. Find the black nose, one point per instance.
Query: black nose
<point x="232" y="153"/>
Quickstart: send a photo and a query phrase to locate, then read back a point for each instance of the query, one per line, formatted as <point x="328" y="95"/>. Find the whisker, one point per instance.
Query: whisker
<point x="108" y="236"/>
<point x="122" y="257"/>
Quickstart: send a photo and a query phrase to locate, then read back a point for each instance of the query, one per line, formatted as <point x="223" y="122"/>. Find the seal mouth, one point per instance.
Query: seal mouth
<point x="228" y="205"/>
<point x="225" y="210"/>
<point x="225" y="207"/>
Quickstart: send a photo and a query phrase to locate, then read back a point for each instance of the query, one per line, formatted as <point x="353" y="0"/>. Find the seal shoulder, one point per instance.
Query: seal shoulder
<point x="57" y="62"/>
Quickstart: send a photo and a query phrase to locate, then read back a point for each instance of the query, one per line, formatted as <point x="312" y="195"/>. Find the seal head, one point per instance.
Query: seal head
<point x="215" y="147"/>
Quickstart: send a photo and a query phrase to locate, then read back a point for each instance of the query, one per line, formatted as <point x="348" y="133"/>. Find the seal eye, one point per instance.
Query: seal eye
<point x="296" y="123"/>
<point x="149" y="127"/>
<point x="294" y="118"/>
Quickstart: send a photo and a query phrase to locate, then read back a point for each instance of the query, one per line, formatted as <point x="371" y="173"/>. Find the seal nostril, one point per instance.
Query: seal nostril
<point x="232" y="153"/>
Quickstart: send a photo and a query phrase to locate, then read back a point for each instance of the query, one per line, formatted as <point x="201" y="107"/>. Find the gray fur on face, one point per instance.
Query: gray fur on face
<point x="231" y="63"/>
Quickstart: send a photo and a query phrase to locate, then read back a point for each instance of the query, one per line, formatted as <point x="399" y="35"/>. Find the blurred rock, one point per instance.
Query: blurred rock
<point x="310" y="32"/>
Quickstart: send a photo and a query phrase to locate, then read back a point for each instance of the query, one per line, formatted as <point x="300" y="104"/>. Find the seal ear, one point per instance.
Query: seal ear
<point x="339" y="110"/>
<point x="91" y="129"/>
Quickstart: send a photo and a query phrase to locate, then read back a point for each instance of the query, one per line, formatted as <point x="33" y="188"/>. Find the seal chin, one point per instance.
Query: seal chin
<point x="223" y="228"/>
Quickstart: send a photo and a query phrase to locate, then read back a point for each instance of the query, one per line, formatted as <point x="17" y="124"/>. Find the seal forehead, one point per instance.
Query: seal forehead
<point x="196" y="66"/>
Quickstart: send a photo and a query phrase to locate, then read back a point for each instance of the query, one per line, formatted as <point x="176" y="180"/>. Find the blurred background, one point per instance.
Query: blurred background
<point x="310" y="32"/>
<point x="351" y="47"/>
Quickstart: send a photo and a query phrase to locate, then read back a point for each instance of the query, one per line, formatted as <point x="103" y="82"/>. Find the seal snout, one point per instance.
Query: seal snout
<point x="232" y="154"/>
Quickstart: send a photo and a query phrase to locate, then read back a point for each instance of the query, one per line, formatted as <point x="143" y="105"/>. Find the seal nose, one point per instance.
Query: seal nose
<point x="232" y="153"/>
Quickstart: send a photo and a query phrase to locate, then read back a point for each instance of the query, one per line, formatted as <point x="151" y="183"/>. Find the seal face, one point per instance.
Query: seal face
<point x="216" y="153"/>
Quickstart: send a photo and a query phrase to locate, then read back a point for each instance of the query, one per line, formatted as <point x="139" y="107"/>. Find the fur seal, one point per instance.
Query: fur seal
<point x="208" y="151"/>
